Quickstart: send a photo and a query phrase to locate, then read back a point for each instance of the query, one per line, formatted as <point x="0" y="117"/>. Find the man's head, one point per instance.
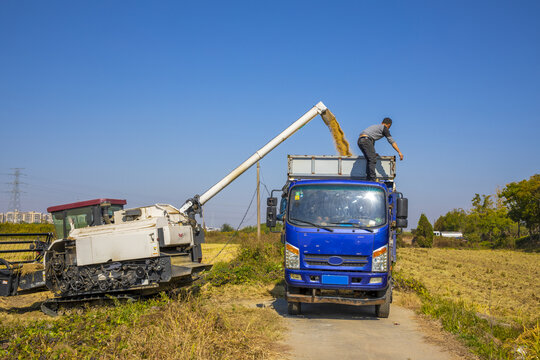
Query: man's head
<point x="387" y="122"/>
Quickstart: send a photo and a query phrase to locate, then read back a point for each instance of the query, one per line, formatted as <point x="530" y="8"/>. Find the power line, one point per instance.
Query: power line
<point x="262" y="182"/>
<point x="238" y="228"/>
<point x="247" y="210"/>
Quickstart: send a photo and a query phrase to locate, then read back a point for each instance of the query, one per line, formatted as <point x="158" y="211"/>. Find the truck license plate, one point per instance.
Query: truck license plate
<point x="335" y="280"/>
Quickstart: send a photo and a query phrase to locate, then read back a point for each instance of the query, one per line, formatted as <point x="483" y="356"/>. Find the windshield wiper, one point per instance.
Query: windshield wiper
<point x="313" y="224"/>
<point x="356" y="225"/>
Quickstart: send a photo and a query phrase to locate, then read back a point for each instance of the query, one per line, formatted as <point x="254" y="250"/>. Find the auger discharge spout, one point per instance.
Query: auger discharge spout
<point x="193" y="205"/>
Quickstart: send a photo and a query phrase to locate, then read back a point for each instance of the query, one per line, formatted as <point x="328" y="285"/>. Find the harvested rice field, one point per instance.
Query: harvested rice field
<point x="219" y="252"/>
<point x="497" y="283"/>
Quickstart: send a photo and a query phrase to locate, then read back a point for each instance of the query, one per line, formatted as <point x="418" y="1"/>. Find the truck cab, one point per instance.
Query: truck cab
<point x="339" y="231"/>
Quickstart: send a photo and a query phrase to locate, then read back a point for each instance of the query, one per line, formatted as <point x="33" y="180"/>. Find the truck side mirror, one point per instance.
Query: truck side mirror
<point x="402" y="208"/>
<point x="402" y="212"/>
<point x="401" y="223"/>
<point x="271" y="212"/>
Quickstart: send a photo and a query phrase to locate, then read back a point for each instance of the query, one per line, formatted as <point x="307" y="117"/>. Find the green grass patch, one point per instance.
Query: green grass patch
<point x="256" y="262"/>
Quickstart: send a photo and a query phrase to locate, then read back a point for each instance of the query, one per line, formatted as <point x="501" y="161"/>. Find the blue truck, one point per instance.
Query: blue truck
<point x="339" y="231"/>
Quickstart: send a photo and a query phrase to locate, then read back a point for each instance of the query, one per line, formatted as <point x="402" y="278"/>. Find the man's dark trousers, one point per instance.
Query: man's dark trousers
<point x="367" y="146"/>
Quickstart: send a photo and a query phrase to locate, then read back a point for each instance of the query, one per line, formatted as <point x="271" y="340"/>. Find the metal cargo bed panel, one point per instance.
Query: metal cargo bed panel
<point x="349" y="167"/>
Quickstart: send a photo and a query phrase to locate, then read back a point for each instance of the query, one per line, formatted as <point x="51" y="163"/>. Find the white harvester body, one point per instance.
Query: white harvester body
<point x="135" y="234"/>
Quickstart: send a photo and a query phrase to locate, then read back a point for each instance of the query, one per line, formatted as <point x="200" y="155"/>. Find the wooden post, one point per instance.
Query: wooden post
<point x="258" y="201"/>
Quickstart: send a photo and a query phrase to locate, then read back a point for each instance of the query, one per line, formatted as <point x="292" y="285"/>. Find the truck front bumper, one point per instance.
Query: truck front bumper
<point x="350" y="280"/>
<point x="333" y="299"/>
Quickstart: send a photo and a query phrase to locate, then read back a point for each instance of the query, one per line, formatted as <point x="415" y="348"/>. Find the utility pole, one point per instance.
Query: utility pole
<point x="258" y="201"/>
<point x="15" y="201"/>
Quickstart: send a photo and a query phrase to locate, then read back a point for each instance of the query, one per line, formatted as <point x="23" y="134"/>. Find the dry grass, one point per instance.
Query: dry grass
<point x="237" y="293"/>
<point x="228" y="252"/>
<point x="199" y="330"/>
<point x="30" y="268"/>
<point x="185" y="328"/>
<point x="409" y="300"/>
<point x="499" y="284"/>
<point x="210" y="325"/>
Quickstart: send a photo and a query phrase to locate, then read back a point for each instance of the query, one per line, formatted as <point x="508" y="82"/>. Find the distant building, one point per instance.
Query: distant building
<point x="449" y="234"/>
<point x="29" y="217"/>
<point x="47" y="218"/>
<point x="32" y="217"/>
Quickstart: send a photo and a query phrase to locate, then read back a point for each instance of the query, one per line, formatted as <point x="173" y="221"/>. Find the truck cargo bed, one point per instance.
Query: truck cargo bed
<point x="347" y="167"/>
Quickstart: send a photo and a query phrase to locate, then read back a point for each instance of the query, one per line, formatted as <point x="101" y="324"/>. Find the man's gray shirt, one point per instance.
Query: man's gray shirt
<point x="376" y="132"/>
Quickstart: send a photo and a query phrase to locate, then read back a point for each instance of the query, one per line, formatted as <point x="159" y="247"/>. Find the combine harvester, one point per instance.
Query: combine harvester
<point x="104" y="250"/>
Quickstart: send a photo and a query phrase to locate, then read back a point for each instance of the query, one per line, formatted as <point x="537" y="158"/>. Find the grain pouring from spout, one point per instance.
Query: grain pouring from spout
<point x="340" y="142"/>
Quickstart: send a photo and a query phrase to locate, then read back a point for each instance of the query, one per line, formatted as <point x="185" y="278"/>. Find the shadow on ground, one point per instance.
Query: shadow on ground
<point x="326" y="311"/>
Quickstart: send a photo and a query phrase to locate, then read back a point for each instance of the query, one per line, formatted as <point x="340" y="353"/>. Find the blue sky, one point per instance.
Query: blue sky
<point x="157" y="101"/>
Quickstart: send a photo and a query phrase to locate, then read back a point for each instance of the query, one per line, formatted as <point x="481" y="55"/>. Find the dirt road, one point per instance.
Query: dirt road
<point x="328" y="331"/>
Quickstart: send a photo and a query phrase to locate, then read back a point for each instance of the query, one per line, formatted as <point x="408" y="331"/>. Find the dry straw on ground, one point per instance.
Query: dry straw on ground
<point x="193" y="330"/>
<point x="219" y="252"/>
<point x="502" y="285"/>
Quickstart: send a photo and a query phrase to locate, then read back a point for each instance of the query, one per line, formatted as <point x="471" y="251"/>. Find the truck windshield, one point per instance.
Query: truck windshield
<point x="337" y="205"/>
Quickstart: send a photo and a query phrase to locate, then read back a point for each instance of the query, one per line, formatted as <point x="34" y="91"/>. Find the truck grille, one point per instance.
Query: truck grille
<point x="335" y="260"/>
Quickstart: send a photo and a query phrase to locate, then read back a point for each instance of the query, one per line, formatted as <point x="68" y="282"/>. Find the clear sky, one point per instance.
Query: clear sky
<point x="157" y="101"/>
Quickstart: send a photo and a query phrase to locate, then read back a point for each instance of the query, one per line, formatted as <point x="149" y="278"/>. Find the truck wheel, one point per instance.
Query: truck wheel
<point x="294" y="308"/>
<point x="383" y="310"/>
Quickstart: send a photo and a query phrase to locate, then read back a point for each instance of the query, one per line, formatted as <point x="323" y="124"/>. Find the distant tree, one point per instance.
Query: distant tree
<point x="523" y="201"/>
<point x="423" y="235"/>
<point x="453" y="221"/>
<point x="488" y="221"/>
<point x="226" y="228"/>
<point x="249" y="229"/>
<point x="264" y="228"/>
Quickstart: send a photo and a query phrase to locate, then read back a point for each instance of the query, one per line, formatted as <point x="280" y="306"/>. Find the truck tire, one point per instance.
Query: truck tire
<point x="383" y="310"/>
<point x="294" y="308"/>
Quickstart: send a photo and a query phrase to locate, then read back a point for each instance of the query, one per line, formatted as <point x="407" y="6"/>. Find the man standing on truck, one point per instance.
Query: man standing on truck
<point x="366" y="143"/>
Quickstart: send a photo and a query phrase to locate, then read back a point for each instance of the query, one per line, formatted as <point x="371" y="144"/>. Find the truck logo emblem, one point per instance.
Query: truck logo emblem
<point x="180" y="235"/>
<point x="335" y="260"/>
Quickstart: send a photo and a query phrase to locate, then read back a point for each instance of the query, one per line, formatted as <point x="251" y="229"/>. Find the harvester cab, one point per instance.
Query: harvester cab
<point x="83" y="214"/>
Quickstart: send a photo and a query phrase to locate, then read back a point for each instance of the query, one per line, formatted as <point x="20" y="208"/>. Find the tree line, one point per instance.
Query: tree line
<point x="251" y="228"/>
<point x="26" y="228"/>
<point x="513" y="213"/>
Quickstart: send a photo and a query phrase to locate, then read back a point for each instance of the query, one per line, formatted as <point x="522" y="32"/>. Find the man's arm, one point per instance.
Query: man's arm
<point x="394" y="145"/>
<point x="391" y="140"/>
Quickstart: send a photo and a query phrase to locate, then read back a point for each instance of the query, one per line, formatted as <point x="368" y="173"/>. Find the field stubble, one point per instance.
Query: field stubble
<point x="487" y="298"/>
<point x="497" y="283"/>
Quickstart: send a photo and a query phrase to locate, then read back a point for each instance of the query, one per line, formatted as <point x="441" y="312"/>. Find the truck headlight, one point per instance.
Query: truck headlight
<point x="292" y="257"/>
<point x="379" y="262"/>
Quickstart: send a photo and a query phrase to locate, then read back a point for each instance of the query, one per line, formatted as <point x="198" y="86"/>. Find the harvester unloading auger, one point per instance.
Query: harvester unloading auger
<point x="103" y="249"/>
<point x="193" y="206"/>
